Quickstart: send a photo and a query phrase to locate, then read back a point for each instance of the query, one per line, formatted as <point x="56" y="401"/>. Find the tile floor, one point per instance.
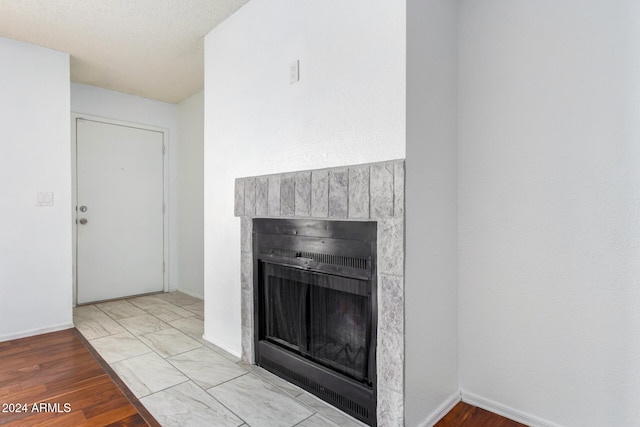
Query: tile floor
<point x="154" y="343"/>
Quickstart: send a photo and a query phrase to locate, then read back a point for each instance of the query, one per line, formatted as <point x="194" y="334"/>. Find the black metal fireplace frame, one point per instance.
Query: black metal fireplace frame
<point x="340" y="248"/>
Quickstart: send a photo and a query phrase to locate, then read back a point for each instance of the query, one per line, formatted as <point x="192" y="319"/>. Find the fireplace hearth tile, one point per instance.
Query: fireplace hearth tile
<point x="317" y="421"/>
<point x="382" y="190"/>
<point x="320" y="193"/>
<point x="359" y="192"/>
<point x="239" y="197"/>
<point x="286" y="386"/>
<point x="186" y="405"/>
<point x="148" y="374"/>
<point x="288" y="194"/>
<point x="206" y="367"/>
<point x="249" y="196"/>
<point x="273" y="196"/>
<point x="261" y="196"/>
<point x="329" y="411"/>
<point x="338" y="193"/>
<point x="260" y="403"/>
<point x="303" y="194"/>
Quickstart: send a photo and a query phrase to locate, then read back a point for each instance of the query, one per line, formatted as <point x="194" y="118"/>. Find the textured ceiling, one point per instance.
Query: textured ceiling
<point x="150" y="48"/>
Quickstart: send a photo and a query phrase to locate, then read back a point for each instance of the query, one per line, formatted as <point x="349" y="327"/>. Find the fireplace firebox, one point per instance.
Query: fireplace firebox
<point x="315" y="308"/>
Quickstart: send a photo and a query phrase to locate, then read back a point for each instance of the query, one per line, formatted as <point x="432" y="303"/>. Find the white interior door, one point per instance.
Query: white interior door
<point x="120" y="202"/>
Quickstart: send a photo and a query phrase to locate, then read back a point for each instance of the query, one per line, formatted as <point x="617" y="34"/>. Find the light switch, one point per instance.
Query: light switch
<point x="44" y="198"/>
<point x="294" y="71"/>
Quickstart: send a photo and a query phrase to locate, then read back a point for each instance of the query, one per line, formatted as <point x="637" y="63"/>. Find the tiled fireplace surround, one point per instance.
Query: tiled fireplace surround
<point x="360" y="192"/>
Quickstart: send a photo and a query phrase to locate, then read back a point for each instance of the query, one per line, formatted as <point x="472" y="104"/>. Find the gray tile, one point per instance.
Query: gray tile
<point x="148" y="374"/>
<point x="147" y="301"/>
<point x="390" y="407"/>
<point x="359" y="192"/>
<point x="178" y="298"/>
<point x="320" y="193"/>
<point x="262" y="206"/>
<point x="382" y="190"/>
<point x="120" y="309"/>
<point x="246" y="228"/>
<point x="169" y="312"/>
<point x="197" y="308"/>
<point x="398" y="189"/>
<point x="303" y="194"/>
<point x="260" y="403"/>
<point x="247" y="307"/>
<point x="274" y="195"/>
<point x="287" y="387"/>
<point x="246" y="270"/>
<point x="86" y="312"/>
<point x="248" y="354"/>
<point x="338" y="193"/>
<point x="93" y="323"/>
<point x="249" y="196"/>
<point x="391" y="246"/>
<point x="206" y="367"/>
<point x="328" y="411"/>
<point x="115" y="348"/>
<point x="317" y="421"/>
<point x="169" y="342"/>
<point x="220" y="351"/>
<point x="143" y="324"/>
<point x="190" y="326"/>
<point x="287" y="194"/>
<point x="238" y="206"/>
<point x="187" y="404"/>
<point x="390" y="353"/>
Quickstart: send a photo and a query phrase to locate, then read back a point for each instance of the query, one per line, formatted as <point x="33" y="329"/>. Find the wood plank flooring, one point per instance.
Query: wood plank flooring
<point x="58" y="379"/>
<point x="465" y="415"/>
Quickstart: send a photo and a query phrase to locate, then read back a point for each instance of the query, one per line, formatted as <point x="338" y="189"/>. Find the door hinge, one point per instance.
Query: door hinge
<point x="163" y="266"/>
<point x="164" y="208"/>
<point x="163" y="149"/>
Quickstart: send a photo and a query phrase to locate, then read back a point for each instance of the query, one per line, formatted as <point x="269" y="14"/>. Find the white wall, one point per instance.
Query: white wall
<point x="549" y="206"/>
<point x="35" y="242"/>
<point x="347" y="108"/>
<point x="130" y="108"/>
<point x="190" y="195"/>
<point x="431" y="288"/>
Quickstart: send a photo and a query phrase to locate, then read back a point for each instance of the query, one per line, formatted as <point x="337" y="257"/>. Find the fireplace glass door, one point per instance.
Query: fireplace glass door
<point x="322" y="317"/>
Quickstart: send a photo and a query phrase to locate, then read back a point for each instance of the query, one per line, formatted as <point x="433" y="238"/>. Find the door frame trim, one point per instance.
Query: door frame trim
<point x="74" y="191"/>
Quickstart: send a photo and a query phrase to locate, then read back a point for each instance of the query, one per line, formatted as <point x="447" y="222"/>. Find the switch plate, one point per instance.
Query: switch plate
<point x="294" y="71"/>
<point x="44" y="198"/>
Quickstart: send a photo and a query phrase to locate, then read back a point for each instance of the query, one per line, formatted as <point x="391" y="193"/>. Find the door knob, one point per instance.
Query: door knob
<point x="83" y="221"/>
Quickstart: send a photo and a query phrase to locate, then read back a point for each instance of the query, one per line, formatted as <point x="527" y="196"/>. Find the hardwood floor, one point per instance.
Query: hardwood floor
<point x="465" y="415"/>
<point x="58" y="379"/>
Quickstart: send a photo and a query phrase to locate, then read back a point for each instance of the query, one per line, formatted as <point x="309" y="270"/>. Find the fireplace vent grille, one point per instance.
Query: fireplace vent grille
<point x="343" y="261"/>
<point x="337" y="399"/>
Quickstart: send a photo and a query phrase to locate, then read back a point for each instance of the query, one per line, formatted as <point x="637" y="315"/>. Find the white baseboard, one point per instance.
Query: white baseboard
<point x="191" y="294"/>
<point x="229" y="349"/>
<point x="38" y="331"/>
<point x="505" y="411"/>
<point x="442" y="410"/>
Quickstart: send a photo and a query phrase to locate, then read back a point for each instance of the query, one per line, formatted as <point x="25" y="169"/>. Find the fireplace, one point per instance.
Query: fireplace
<point x="316" y="308"/>
<point x="370" y="193"/>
